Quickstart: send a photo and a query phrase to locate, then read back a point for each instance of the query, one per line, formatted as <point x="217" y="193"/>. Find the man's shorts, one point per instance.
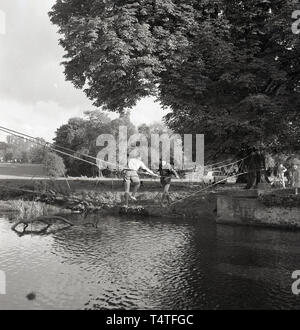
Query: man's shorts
<point x="164" y="180"/>
<point x="131" y="176"/>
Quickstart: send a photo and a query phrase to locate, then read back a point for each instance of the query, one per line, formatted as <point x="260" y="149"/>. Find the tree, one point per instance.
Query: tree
<point x="8" y="157"/>
<point x="3" y="150"/>
<point x="154" y="128"/>
<point x="253" y="96"/>
<point x="228" y="69"/>
<point x="80" y="134"/>
<point x="24" y="157"/>
<point x="54" y="165"/>
<point x="37" y="153"/>
<point x="73" y="136"/>
<point x="19" y="148"/>
<point x="23" y="150"/>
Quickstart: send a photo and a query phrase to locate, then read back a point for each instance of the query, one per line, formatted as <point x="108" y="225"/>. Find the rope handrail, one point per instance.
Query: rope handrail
<point x="211" y="165"/>
<point x="49" y="146"/>
<point x="230" y="164"/>
<point x="206" y="188"/>
<point x="46" y="144"/>
<point x="54" y="147"/>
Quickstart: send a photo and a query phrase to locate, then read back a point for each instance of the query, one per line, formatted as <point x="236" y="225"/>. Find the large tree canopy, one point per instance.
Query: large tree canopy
<point x="228" y="69"/>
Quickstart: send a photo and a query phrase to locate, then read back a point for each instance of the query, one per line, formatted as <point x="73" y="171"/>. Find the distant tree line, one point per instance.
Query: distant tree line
<point x="19" y="150"/>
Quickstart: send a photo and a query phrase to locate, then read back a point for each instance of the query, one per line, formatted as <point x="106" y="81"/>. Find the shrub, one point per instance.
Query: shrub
<point x="54" y="165"/>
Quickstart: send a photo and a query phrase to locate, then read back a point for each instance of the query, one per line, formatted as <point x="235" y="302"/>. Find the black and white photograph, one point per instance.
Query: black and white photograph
<point x="149" y="157"/>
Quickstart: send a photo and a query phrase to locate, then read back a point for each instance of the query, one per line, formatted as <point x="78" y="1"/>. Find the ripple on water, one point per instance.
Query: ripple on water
<point x="150" y="264"/>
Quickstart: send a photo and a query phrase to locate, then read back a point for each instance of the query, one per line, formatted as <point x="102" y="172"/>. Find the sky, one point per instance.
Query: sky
<point x="34" y="96"/>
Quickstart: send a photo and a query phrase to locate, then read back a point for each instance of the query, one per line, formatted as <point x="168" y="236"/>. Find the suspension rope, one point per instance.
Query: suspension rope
<point x="49" y="146"/>
<point x="227" y="165"/>
<point x="54" y="147"/>
<point x="46" y="145"/>
<point x="206" y="188"/>
<point x="10" y="131"/>
<point x="214" y="164"/>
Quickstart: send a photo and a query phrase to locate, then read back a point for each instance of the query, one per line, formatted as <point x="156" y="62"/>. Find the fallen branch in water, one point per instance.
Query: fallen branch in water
<point x="47" y="220"/>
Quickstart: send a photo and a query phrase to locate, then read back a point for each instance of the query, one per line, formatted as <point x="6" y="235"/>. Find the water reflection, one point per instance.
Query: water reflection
<point x="134" y="263"/>
<point x="143" y="264"/>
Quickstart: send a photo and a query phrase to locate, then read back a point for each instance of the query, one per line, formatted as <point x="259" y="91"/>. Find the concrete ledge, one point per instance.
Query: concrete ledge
<point x="250" y="211"/>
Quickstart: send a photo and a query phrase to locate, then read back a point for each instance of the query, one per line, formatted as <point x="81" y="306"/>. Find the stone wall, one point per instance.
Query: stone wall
<point x="250" y="211"/>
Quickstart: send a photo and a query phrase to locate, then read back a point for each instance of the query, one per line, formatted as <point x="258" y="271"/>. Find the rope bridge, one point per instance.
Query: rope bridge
<point x="228" y="171"/>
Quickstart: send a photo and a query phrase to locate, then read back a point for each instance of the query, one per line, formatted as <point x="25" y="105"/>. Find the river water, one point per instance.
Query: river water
<point x="150" y="264"/>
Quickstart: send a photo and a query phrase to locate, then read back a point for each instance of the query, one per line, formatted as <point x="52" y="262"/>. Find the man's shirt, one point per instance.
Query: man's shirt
<point x="135" y="164"/>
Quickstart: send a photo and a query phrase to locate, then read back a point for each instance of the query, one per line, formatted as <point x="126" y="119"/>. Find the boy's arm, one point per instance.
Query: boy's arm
<point x="175" y="173"/>
<point x="144" y="167"/>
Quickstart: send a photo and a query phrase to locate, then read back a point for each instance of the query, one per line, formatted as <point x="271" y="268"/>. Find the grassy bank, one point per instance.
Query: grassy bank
<point x="28" y="210"/>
